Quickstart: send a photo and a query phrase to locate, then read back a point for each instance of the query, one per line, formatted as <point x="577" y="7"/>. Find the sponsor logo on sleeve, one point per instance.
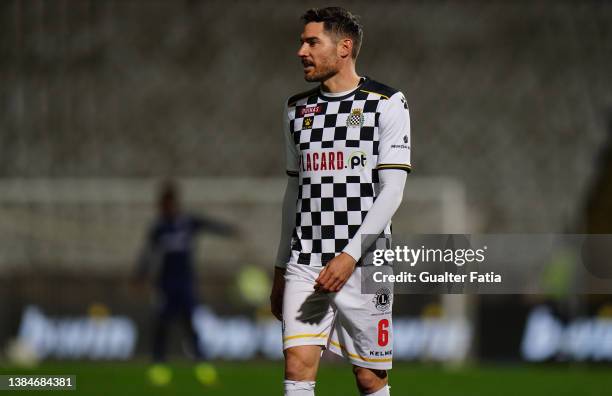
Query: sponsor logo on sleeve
<point x="402" y="146"/>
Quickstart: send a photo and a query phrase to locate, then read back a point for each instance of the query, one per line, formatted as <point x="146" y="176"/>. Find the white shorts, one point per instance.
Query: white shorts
<point x="354" y="325"/>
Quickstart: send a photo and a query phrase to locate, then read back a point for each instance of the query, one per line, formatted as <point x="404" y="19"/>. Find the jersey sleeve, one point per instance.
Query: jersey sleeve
<point x="394" y="130"/>
<point x="291" y="154"/>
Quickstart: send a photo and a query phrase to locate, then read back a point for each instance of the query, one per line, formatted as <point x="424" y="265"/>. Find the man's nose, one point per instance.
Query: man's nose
<point x="302" y="51"/>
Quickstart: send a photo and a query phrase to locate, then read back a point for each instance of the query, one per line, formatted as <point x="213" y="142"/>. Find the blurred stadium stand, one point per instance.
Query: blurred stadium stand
<point x="102" y="99"/>
<point x="507" y="98"/>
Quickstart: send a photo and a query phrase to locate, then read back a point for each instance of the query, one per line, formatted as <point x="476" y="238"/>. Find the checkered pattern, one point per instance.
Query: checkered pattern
<point x="332" y="203"/>
<point x="328" y="129"/>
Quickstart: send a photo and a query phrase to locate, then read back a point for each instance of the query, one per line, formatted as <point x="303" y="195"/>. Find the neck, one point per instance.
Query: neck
<point x="345" y="80"/>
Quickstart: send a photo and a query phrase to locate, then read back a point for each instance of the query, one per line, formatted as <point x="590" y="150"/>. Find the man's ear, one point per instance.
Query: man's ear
<point x="345" y="47"/>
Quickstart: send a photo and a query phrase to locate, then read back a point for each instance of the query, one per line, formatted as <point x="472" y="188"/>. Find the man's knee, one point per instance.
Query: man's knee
<point x="301" y="362"/>
<point x="369" y="380"/>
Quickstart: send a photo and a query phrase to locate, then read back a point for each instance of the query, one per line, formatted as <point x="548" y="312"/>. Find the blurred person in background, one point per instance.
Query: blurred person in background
<point x="169" y="245"/>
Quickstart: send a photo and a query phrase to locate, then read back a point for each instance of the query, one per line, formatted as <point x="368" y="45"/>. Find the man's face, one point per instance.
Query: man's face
<point x="318" y="52"/>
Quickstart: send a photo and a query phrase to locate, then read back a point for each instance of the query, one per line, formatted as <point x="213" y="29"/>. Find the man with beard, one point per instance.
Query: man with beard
<point x="348" y="154"/>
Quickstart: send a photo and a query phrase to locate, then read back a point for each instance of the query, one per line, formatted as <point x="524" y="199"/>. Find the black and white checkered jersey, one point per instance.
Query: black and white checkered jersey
<point x="336" y="145"/>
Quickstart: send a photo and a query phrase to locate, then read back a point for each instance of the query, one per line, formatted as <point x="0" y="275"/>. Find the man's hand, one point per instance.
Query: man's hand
<point x="276" y="296"/>
<point x="336" y="273"/>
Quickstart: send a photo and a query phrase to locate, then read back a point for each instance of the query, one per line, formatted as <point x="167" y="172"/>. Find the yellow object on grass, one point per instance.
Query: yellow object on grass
<point x="206" y="374"/>
<point x="160" y="375"/>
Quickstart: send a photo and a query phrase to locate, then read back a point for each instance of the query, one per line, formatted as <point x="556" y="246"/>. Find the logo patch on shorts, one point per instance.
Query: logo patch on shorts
<point x="382" y="300"/>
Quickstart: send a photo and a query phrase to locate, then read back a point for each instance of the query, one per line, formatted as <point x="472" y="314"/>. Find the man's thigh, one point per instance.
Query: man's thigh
<point x="363" y="330"/>
<point x="307" y="314"/>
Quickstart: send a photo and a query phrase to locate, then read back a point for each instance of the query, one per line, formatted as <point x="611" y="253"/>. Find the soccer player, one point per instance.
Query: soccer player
<point x="170" y="241"/>
<point x="348" y="154"/>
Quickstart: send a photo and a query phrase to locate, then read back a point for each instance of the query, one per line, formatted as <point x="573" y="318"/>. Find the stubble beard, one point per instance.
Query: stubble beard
<point x="326" y="71"/>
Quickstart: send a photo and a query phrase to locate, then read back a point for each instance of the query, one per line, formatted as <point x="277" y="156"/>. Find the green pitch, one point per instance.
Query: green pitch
<point x="264" y="378"/>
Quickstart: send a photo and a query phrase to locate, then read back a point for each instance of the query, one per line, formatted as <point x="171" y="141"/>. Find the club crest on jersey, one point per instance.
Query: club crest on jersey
<point x="382" y="300"/>
<point x="307" y="123"/>
<point x="355" y="119"/>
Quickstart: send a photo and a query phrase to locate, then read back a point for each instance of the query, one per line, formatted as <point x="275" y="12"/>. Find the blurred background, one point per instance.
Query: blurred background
<point x="101" y="101"/>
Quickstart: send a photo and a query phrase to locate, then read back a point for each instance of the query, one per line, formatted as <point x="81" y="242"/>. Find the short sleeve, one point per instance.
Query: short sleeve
<point x="394" y="132"/>
<point x="291" y="154"/>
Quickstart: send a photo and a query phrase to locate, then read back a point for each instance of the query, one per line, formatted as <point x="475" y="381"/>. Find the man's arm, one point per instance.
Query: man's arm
<point x="393" y="164"/>
<point x="392" y="183"/>
<point x="339" y="269"/>
<point x="288" y="218"/>
<point x="276" y="295"/>
<point x="206" y="224"/>
<point x="287" y="223"/>
<point x="284" y="247"/>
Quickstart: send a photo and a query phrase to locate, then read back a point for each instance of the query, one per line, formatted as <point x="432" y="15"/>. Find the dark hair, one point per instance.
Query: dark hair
<point x="338" y="21"/>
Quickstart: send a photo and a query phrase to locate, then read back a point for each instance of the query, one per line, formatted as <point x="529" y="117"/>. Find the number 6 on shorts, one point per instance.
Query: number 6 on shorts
<point x="383" y="333"/>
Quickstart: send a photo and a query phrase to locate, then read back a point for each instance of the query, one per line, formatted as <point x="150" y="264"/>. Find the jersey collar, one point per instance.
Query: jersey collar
<point x="349" y="94"/>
